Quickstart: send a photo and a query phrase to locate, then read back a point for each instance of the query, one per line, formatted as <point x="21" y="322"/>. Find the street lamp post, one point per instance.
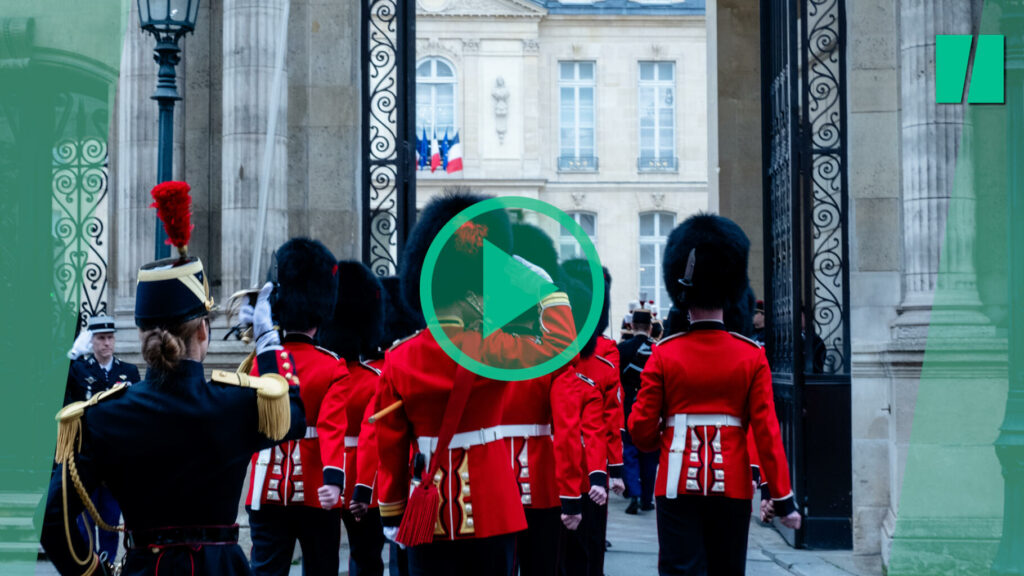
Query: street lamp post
<point x="167" y="21"/>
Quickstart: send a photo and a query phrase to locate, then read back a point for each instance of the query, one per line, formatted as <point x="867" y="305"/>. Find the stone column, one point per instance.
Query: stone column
<point x="252" y="40"/>
<point x="931" y="135"/>
<point x="135" y="156"/>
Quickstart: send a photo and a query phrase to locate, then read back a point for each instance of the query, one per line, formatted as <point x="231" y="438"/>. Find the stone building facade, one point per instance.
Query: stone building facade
<point x="528" y="76"/>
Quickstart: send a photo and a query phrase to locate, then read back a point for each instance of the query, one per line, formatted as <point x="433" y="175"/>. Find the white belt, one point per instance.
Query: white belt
<point x="524" y="430"/>
<point x="351" y="441"/>
<point x="460" y="441"/>
<point x="311" y="432"/>
<point x="259" y="476"/>
<point x="681" y="424"/>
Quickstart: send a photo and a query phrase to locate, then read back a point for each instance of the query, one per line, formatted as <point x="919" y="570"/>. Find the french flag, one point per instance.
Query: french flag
<point x="435" y="154"/>
<point x="455" y="155"/>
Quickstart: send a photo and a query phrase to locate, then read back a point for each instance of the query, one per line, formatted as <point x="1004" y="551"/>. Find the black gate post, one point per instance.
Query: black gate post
<point x="389" y="125"/>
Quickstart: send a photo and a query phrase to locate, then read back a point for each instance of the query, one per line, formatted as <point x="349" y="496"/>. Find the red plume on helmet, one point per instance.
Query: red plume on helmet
<point x="174" y="208"/>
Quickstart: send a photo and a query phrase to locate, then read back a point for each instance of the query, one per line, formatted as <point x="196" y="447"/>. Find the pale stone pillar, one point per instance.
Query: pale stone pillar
<point x="251" y="43"/>
<point x="135" y="157"/>
<point x="931" y="135"/>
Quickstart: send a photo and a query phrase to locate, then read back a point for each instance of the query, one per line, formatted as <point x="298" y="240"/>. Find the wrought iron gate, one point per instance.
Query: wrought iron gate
<point x="803" y="91"/>
<point x="389" y="130"/>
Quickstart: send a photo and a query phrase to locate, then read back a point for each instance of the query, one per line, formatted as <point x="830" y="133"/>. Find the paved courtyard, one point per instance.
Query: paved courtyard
<point x="635" y="551"/>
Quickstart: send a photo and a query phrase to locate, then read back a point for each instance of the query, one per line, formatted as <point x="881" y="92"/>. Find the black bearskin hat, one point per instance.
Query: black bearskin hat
<point x="307" y="285"/>
<point x="358" y="322"/>
<point x="535" y="245"/>
<point x="462" y="257"/>
<point x="399" y="320"/>
<point x="719" y="276"/>
<point x="579" y="269"/>
<point x="739" y="316"/>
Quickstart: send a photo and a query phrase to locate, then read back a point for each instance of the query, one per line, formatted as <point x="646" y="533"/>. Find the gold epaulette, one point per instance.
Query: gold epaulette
<point x="246" y="366"/>
<point x="739" y="336"/>
<point x="69" y="422"/>
<point x="401" y="341"/>
<point x="275" y="415"/>
<point x="69" y="442"/>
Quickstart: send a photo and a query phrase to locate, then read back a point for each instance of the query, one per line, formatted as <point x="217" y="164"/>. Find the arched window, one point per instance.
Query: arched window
<point x="654" y="230"/>
<point x="568" y="247"/>
<point x="435" y="98"/>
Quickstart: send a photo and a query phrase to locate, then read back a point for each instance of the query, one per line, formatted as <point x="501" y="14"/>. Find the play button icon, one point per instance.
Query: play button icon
<point x="510" y="288"/>
<point x="512" y="285"/>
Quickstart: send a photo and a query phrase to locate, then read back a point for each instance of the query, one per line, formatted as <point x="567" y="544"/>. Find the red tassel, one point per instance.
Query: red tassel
<point x="420" y="516"/>
<point x="174" y="208"/>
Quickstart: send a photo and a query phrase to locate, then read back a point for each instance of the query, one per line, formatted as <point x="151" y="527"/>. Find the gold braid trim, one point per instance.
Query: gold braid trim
<point x="69" y="443"/>
<point x="246" y="366"/>
<point x="272" y="402"/>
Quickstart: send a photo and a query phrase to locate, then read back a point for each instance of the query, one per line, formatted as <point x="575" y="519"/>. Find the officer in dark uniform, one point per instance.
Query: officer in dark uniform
<point x="173" y="449"/>
<point x="91" y="374"/>
<point x="98" y="370"/>
<point x="640" y="467"/>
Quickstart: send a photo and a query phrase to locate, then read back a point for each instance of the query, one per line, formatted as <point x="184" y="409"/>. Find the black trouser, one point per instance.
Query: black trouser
<point x="573" y="544"/>
<point x="365" y="542"/>
<point x="583" y="548"/>
<point x="398" y="564"/>
<point x="494" y="556"/>
<point x="537" y="546"/>
<point x="702" y="535"/>
<point x="596" y="530"/>
<point x="275" y="530"/>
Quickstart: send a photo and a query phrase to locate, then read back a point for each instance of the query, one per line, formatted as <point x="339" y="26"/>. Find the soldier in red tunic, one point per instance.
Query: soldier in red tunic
<point x="355" y="335"/>
<point x="599" y="362"/>
<point x="480" y="508"/>
<point x="296" y="486"/>
<point x="541" y="426"/>
<point x="700" y="392"/>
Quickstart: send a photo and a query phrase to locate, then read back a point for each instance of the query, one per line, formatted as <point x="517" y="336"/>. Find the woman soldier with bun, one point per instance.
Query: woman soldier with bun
<point x="172" y="449"/>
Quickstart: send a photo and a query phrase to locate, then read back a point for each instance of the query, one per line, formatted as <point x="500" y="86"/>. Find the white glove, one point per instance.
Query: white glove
<point x="82" y="345"/>
<point x="263" y="324"/>
<point x="245" y="314"/>
<point x="533" y="268"/>
<point x="391" y="532"/>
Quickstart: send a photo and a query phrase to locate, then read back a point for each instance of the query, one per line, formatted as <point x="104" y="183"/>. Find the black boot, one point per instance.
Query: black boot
<point x="634" y="504"/>
<point x="647" y="507"/>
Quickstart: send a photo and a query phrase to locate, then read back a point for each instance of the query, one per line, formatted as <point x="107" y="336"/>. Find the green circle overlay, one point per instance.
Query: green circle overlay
<point x="549" y="365"/>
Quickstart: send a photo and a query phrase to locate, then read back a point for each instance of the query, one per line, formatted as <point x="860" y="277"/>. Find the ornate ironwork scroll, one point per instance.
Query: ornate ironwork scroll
<point x="807" y="256"/>
<point x="389" y="178"/>
<point x="824" y="116"/>
<point x="80" y="209"/>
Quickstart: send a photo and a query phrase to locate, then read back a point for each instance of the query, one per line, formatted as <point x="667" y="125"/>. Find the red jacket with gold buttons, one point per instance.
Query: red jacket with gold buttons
<point x="292" y="472"/>
<point x="479" y="494"/>
<point x="711" y="385"/>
